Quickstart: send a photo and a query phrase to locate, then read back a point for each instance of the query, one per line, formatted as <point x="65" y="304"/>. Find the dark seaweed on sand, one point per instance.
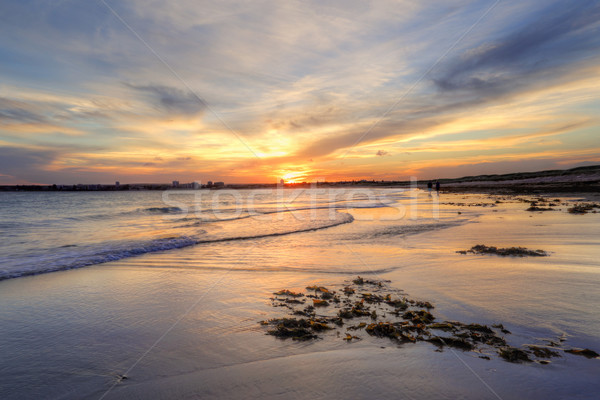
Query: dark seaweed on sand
<point x="368" y="307"/>
<point x="583" y="208"/>
<point x="510" y="251"/>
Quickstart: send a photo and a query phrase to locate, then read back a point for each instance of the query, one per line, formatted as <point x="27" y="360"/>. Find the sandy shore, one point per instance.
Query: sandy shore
<point x="179" y="329"/>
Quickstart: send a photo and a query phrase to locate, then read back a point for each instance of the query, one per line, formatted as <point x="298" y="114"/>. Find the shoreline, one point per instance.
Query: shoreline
<point x="513" y="192"/>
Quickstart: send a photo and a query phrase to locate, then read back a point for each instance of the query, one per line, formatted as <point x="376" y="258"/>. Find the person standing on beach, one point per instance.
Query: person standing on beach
<point x="437" y="186"/>
<point x="429" y="185"/>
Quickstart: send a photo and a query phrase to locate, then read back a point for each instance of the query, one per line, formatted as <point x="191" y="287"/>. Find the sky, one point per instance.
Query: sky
<point x="254" y="91"/>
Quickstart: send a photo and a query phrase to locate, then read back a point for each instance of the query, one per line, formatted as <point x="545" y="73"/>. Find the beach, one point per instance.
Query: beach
<point x="184" y="321"/>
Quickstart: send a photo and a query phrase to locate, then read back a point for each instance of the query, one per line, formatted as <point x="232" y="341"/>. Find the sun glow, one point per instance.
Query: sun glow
<point x="294" y="177"/>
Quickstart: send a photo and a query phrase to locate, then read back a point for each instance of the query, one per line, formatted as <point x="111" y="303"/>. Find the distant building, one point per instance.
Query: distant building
<point x="117" y="183"/>
<point x="195" y="185"/>
<point x="219" y="184"/>
<point x="175" y="184"/>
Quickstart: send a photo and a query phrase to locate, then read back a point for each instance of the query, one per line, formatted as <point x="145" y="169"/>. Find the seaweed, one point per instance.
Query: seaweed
<point x="419" y="316"/>
<point x="399" y="304"/>
<point x="536" y="208"/>
<point x="501" y="327"/>
<point x="543" y="352"/>
<point x="297" y="329"/>
<point x="424" y="304"/>
<point x="286" y="292"/>
<point x="510" y="251"/>
<point x="294" y="333"/>
<point x="583" y="352"/>
<point x="361" y="281"/>
<point x="407" y="320"/>
<point x="451" y="342"/>
<point x="495" y="341"/>
<point x="294" y="301"/>
<point x="445" y="326"/>
<point x="321" y="289"/>
<point x="345" y="313"/>
<point x="359" y="326"/>
<point x="383" y="329"/>
<point x="479" y="328"/>
<point x="513" y="354"/>
<point x="371" y="298"/>
<point x="583" y="208"/>
<point x="319" y="326"/>
<point x="358" y="281"/>
<point x="360" y="312"/>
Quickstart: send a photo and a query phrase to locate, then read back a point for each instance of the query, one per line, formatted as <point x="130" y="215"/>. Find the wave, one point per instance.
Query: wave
<point x="73" y="256"/>
<point x="208" y="215"/>
<point x="226" y="214"/>
<point x="346" y="220"/>
<point x="283" y="208"/>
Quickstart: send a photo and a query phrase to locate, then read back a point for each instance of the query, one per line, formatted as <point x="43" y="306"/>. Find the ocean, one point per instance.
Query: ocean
<point x="167" y="288"/>
<point x="44" y="232"/>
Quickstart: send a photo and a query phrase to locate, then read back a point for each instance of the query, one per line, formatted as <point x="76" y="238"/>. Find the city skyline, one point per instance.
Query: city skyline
<point x="253" y="93"/>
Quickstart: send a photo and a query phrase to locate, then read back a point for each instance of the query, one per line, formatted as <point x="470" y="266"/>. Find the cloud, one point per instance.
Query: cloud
<point x="23" y="163"/>
<point x="563" y="33"/>
<point x="172" y="100"/>
<point x="12" y="111"/>
<point x="346" y="140"/>
<point x="381" y="153"/>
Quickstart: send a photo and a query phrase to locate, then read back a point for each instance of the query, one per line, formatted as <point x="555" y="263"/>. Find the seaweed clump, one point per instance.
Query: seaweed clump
<point x="286" y="292"/>
<point x="297" y="329"/>
<point x="382" y="312"/>
<point x="513" y="354"/>
<point x="510" y="251"/>
<point x="543" y="352"/>
<point x="536" y="208"/>
<point x="456" y="342"/>
<point x="583" y="208"/>
<point x="583" y="352"/>
<point x="533" y="206"/>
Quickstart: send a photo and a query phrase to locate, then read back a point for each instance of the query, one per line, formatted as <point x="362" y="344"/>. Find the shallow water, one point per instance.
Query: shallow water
<point x="183" y="323"/>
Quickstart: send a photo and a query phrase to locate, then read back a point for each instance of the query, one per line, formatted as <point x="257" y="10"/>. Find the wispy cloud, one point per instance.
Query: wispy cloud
<point x="171" y="100"/>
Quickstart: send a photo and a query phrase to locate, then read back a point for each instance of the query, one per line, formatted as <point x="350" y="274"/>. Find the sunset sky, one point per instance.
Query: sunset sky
<point x="252" y="91"/>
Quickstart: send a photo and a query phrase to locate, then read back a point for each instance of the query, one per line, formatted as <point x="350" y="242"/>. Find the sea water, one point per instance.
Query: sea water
<point x="51" y="231"/>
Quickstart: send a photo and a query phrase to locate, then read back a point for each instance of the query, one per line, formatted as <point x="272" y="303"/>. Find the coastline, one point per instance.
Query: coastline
<point x="574" y="180"/>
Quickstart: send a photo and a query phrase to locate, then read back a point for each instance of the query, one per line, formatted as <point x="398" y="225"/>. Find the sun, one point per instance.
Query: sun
<point x="292" y="177"/>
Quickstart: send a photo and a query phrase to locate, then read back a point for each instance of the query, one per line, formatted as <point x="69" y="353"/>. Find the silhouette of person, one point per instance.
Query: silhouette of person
<point x="437" y="186"/>
<point x="429" y="185"/>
